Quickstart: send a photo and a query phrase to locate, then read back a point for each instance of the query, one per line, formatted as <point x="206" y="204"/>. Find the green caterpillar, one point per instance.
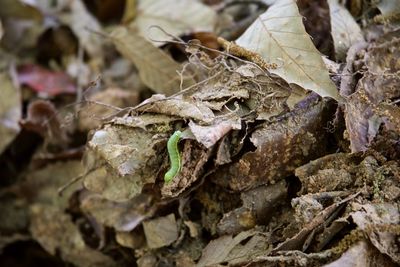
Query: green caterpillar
<point x="174" y="156"/>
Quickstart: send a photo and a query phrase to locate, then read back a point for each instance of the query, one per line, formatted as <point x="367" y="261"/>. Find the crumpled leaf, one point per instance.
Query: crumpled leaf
<point x="345" y="30"/>
<point x="209" y="135"/>
<point x="361" y="254"/>
<point x="376" y="220"/>
<point x="156" y="69"/>
<point x="45" y="82"/>
<point x="370" y="106"/>
<point x="278" y="35"/>
<point x="180" y="107"/>
<point x="121" y="158"/>
<point x="176" y="17"/>
<point x="57" y="234"/>
<point x="10" y="111"/>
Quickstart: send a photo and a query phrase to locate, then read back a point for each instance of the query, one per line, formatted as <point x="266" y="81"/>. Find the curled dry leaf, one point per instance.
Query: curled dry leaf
<point x="209" y="135"/>
<point x="178" y="106"/>
<point x="278" y="35"/>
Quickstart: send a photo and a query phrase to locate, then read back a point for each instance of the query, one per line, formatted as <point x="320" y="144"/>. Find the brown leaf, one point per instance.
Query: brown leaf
<point x="160" y="232"/>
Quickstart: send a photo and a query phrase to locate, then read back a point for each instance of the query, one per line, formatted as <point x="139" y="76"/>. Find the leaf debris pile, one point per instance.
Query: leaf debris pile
<point x="290" y="144"/>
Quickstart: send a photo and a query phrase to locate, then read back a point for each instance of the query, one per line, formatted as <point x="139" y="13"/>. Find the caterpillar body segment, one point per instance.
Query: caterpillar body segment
<point x="174" y="156"/>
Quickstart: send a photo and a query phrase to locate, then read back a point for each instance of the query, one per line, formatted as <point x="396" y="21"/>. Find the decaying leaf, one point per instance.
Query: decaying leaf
<point x="278" y="35"/>
<point x="371" y="105"/>
<point x="156" y="69"/>
<point x="345" y="30"/>
<point x="121" y="159"/>
<point x="381" y="223"/>
<point x="10" y="111"/>
<point x="281" y="146"/>
<point x="176" y="17"/>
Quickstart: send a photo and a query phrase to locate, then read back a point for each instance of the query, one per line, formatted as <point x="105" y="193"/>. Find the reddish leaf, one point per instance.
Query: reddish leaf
<point x="43" y="81"/>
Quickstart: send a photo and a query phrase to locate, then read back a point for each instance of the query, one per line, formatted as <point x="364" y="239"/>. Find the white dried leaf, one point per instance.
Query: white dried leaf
<point x="278" y="35"/>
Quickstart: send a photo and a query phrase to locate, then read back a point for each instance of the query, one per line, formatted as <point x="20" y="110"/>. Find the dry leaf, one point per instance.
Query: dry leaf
<point x="230" y="249"/>
<point x="130" y="11"/>
<point x="57" y="234"/>
<point x="161" y="231"/>
<point x="10" y="111"/>
<point x="45" y="82"/>
<point x="1" y="30"/>
<point x="176" y="17"/>
<point x="361" y="254"/>
<point x="388" y="8"/>
<point x="83" y="24"/>
<point x="278" y="35"/>
<point x="20" y="9"/>
<point x="156" y="69"/>
<point x="345" y="30"/>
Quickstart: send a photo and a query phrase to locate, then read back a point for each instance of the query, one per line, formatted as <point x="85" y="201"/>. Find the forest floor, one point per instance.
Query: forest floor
<point x="199" y="133"/>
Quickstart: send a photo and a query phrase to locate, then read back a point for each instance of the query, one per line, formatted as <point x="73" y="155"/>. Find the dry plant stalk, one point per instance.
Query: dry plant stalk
<point x="239" y="51"/>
